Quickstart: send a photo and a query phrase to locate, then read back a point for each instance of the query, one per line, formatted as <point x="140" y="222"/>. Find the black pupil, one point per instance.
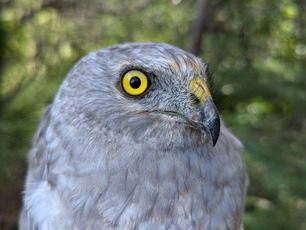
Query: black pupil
<point x="135" y="82"/>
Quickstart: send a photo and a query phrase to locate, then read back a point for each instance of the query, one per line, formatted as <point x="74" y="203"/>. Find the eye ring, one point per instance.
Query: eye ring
<point x="135" y="82"/>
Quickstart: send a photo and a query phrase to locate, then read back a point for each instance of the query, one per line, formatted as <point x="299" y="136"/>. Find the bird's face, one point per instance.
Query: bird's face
<point x="147" y="90"/>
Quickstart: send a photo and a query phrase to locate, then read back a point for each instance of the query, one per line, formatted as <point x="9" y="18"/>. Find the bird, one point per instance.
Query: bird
<point x="134" y="140"/>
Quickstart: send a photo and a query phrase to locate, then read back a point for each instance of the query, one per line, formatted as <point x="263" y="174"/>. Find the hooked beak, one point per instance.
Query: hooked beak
<point x="205" y="114"/>
<point x="207" y="118"/>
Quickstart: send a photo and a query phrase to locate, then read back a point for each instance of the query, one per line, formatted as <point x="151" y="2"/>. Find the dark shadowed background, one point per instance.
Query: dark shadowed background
<point x="257" y="54"/>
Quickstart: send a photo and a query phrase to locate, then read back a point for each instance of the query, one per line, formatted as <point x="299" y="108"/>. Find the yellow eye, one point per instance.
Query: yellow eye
<point x="135" y="82"/>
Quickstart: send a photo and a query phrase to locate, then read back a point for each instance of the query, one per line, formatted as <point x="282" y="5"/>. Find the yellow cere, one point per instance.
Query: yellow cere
<point x="199" y="88"/>
<point x="135" y="82"/>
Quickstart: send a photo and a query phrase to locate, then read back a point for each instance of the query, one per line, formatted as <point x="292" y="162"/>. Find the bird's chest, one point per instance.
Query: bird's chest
<point x="164" y="193"/>
<point x="156" y="191"/>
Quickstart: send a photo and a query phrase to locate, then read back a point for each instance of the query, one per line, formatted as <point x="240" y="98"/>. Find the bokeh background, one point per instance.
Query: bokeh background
<point x="257" y="54"/>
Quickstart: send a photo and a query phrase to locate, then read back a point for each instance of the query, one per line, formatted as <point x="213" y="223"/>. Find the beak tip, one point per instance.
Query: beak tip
<point x="212" y="121"/>
<point x="215" y="130"/>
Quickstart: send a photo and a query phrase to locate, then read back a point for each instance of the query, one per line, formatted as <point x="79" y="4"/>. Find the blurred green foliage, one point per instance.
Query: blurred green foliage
<point x="257" y="53"/>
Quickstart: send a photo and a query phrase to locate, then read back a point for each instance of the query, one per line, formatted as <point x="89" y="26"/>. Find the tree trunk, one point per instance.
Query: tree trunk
<point x="199" y="27"/>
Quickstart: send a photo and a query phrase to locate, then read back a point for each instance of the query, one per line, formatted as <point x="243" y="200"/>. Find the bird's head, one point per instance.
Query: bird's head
<point x="144" y="89"/>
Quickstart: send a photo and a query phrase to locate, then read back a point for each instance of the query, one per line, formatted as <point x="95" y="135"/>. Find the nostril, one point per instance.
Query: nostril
<point x="194" y="100"/>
